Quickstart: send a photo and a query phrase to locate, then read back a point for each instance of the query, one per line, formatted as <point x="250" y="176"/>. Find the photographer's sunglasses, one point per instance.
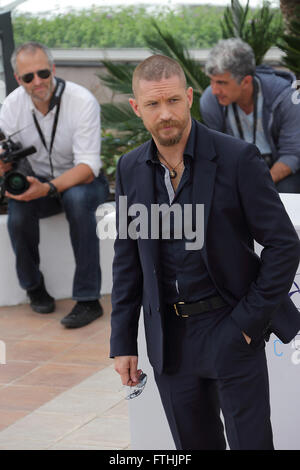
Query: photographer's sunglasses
<point x="28" y="77"/>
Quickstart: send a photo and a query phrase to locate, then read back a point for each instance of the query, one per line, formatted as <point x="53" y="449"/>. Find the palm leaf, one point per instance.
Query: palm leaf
<point x="235" y="17"/>
<point x="290" y="44"/>
<point x="260" y="31"/>
<point x="116" y="114"/>
<point x="118" y="77"/>
<point x="166" y="44"/>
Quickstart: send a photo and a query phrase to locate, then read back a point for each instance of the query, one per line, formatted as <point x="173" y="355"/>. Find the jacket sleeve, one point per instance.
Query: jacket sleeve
<point x="127" y="285"/>
<point x="271" y="227"/>
<point x="286" y="122"/>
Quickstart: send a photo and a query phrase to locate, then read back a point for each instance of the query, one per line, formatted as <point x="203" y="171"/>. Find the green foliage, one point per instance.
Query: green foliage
<point x="162" y="30"/>
<point x="290" y="44"/>
<point x="119" y="26"/>
<point x="114" y="144"/>
<point x="260" y="28"/>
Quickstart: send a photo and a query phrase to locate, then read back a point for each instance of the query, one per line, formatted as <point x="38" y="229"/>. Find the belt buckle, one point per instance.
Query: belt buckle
<point x="176" y="310"/>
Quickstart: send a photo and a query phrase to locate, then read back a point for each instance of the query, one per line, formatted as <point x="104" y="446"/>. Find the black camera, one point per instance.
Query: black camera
<point x="15" y="180"/>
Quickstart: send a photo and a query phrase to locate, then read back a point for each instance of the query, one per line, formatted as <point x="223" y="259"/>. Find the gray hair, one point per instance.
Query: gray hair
<point x="31" y="47"/>
<point x="231" y="55"/>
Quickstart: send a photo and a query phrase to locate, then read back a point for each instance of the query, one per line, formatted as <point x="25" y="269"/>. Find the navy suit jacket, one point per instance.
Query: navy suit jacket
<point x="241" y="205"/>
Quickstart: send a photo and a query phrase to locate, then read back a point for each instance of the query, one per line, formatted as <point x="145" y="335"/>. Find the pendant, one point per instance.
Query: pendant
<point x="173" y="174"/>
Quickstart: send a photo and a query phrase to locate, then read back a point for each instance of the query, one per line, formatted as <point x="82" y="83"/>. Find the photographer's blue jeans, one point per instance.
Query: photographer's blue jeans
<point x="79" y="204"/>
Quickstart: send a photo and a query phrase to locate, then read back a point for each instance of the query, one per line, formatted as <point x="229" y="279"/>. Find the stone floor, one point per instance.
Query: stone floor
<point x="58" y="388"/>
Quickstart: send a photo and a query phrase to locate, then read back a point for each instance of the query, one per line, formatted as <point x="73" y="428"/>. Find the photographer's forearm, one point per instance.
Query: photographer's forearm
<point x="279" y="171"/>
<point x="80" y="174"/>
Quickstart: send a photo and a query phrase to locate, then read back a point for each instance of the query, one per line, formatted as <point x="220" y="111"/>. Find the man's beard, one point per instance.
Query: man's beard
<point x="49" y="89"/>
<point x="174" y="139"/>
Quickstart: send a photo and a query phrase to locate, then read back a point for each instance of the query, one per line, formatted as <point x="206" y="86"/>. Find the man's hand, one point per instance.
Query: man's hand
<point x="35" y="190"/>
<point x="279" y="171"/>
<point x="126" y="366"/>
<point x="4" y="167"/>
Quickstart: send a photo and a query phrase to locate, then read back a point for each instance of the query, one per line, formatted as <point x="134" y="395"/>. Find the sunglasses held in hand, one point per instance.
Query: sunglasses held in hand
<point x="28" y="77"/>
<point x="137" y="389"/>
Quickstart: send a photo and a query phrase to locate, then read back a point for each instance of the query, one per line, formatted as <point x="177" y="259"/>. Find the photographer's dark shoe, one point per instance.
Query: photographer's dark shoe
<point x="40" y="300"/>
<point x="82" y="314"/>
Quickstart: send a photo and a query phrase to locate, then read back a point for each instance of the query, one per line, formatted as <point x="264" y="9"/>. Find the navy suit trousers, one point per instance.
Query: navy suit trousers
<point x="209" y="367"/>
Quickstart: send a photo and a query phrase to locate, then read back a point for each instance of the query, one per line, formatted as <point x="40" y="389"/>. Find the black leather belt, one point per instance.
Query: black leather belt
<point x="185" y="310"/>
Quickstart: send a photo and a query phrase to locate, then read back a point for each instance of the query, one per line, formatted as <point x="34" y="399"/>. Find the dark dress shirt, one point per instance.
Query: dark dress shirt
<point x="184" y="274"/>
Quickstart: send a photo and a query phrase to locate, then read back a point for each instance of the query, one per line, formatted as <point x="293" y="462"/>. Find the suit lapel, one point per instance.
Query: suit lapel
<point x="144" y="178"/>
<point x="204" y="173"/>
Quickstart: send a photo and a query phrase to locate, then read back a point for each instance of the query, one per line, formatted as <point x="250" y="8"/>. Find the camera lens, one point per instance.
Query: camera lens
<point x="16" y="183"/>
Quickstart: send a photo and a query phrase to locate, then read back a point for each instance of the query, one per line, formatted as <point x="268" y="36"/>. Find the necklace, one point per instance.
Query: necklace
<point x="172" y="171"/>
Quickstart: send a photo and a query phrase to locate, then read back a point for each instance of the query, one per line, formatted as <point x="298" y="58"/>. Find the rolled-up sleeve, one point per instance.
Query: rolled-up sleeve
<point x="86" y="142"/>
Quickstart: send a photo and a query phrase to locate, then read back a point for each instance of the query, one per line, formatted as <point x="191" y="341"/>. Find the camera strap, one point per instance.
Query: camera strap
<point x="55" y="101"/>
<point x="237" y="117"/>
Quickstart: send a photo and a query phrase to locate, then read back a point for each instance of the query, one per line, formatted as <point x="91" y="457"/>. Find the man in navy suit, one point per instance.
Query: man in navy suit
<point x="207" y="309"/>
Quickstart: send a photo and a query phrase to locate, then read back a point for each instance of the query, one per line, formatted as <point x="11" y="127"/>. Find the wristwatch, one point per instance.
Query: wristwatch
<point x="53" y="190"/>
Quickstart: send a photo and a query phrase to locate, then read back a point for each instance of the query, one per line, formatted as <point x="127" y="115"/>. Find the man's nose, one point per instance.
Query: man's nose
<point x="165" y="113"/>
<point x="37" y="80"/>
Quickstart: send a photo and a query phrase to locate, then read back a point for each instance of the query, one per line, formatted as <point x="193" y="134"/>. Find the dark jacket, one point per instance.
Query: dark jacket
<point x="241" y="205"/>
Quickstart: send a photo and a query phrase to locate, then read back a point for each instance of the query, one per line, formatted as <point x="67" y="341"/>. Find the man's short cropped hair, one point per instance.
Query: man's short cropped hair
<point x="31" y="47"/>
<point x="155" y="68"/>
<point x="231" y="55"/>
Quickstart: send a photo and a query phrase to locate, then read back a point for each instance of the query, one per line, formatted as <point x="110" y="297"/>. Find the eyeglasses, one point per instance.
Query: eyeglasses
<point x="28" y="77"/>
<point x="136" y="390"/>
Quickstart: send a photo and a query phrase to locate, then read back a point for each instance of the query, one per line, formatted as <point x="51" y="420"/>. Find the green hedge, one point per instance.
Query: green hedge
<point x="119" y="27"/>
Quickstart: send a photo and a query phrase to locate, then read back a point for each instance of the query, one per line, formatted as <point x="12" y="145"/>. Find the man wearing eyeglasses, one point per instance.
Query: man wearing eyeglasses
<point x="62" y="121"/>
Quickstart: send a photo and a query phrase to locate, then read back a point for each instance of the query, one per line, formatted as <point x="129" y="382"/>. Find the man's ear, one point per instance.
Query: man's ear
<point x="134" y="106"/>
<point x="17" y="78"/>
<point x="247" y="80"/>
<point x="190" y="94"/>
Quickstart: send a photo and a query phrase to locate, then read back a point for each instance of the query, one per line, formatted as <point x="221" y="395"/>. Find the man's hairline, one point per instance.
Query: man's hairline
<point x="138" y="80"/>
<point x="211" y="75"/>
<point x="32" y="52"/>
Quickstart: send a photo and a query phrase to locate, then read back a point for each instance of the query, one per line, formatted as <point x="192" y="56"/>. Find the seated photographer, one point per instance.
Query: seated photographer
<point x="62" y="121"/>
<point x="255" y="104"/>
